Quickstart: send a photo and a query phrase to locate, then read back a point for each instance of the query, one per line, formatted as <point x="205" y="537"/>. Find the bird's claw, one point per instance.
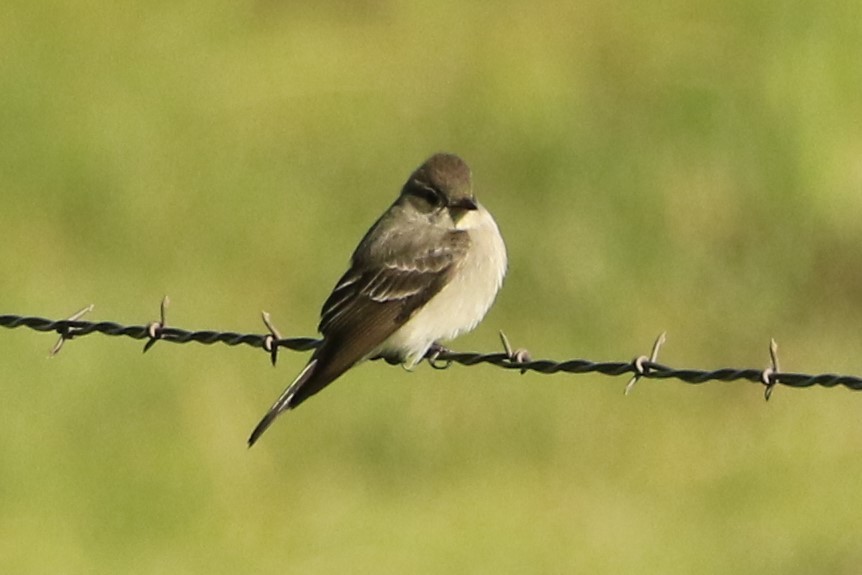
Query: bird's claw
<point x="433" y="356"/>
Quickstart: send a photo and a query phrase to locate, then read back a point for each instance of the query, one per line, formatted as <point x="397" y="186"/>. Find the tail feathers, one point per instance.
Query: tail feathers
<point x="283" y="403"/>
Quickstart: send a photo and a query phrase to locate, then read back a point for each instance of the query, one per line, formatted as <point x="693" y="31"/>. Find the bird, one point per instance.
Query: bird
<point x="428" y="270"/>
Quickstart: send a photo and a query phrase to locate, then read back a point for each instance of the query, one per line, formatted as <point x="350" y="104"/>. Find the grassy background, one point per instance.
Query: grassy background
<point x="693" y="167"/>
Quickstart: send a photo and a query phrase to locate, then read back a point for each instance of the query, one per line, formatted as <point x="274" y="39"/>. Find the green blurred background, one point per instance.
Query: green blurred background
<point x="693" y="167"/>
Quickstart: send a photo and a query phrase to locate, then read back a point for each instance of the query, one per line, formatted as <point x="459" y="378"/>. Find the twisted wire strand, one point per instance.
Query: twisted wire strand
<point x="641" y="367"/>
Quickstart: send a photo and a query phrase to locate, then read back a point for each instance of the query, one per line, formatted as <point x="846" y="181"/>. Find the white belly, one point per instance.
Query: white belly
<point x="464" y="301"/>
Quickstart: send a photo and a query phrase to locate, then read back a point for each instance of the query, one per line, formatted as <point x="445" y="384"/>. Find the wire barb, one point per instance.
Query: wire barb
<point x="66" y="332"/>
<point x="642" y="363"/>
<point x="270" y="341"/>
<point x="155" y="329"/>
<point x="516" y="357"/>
<point x="768" y="375"/>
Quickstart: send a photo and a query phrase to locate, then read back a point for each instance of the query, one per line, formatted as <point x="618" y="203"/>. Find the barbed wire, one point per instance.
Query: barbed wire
<point x="438" y="357"/>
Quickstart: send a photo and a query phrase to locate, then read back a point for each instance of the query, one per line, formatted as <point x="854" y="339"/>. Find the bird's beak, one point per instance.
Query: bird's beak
<point x="465" y="204"/>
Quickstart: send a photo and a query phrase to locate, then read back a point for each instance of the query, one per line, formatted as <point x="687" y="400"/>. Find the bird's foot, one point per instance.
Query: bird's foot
<point x="433" y="356"/>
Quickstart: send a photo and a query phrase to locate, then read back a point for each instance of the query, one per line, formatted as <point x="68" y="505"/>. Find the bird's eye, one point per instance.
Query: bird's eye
<point x="430" y="195"/>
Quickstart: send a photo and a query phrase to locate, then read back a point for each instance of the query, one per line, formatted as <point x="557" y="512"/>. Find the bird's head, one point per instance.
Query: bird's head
<point x="442" y="185"/>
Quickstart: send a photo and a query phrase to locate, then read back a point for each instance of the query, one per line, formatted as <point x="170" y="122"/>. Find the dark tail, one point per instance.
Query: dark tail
<point x="284" y="402"/>
<point x="327" y="364"/>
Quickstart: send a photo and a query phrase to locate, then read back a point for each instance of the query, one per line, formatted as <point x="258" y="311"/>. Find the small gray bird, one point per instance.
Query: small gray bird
<point x="427" y="270"/>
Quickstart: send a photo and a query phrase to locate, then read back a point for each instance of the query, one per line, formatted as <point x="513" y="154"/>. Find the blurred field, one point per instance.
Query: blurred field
<point x="693" y="167"/>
